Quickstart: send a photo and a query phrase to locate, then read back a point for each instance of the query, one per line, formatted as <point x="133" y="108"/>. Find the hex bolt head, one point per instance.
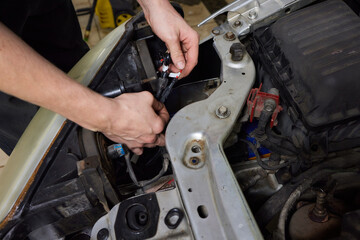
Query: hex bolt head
<point x="237" y="52"/>
<point x="253" y="14"/>
<point x="222" y="112"/>
<point x="268" y="107"/>
<point x="229" y="36"/>
<point x="237" y="23"/>
<point x="216" y="31"/>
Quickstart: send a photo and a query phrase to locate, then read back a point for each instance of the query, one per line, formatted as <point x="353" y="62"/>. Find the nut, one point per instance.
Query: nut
<point x="216" y="31"/>
<point x="237" y="52"/>
<point x="229" y="36"/>
<point x="237" y="23"/>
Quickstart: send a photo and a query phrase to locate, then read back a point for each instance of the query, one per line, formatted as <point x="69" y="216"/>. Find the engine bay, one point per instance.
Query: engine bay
<point x="263" y="141"/>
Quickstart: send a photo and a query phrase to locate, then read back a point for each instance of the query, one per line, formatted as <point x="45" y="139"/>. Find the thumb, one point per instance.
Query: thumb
<point x="177" y="55"/>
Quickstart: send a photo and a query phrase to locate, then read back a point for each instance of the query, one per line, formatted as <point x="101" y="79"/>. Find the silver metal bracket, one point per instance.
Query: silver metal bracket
<point x="245" y="16"/>
<point x="213" y="200"/>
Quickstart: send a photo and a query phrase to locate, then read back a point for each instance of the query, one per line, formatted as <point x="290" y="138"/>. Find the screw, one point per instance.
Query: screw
<point x="237" y="23"/>
<point x="216" y="31"/>
<point x="237" y="52"/>
<point x="253" y="14"/>
<point x="222" y="112"/>
<point x="194" y="161"/>
<point x="229" y="36"/>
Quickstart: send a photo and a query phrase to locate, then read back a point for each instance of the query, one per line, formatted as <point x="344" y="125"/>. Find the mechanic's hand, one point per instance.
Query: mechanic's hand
<point x="181" y="40"/>
<point x="137" y="121"/>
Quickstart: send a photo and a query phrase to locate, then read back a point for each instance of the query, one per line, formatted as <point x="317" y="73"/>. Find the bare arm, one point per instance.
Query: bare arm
<point x="133" y="119"/>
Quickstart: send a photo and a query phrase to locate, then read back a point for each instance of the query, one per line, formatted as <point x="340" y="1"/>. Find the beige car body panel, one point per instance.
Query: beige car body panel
<point x="33" y="145"/>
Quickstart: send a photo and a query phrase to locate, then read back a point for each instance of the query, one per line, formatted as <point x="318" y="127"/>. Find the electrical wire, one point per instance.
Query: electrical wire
<point x="258" y="158"/>
<point x="147" y="182"/>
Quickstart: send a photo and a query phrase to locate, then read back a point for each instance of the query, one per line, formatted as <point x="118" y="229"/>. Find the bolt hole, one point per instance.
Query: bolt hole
<point x="243" y="73"/>
<point x="190" y="189"/>
<point x="142" y="216"/>
<point x="195" y="149"/>
<point x="202" y="211"/>
<point x="287" y="10"/>
<point x="194" y="160"/>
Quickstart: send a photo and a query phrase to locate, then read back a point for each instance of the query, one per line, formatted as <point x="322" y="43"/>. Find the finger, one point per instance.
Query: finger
<point x="164" y="115"/>
<point x="173" y="68"/>
<point x="191" y="55"/>
<point x="176" y="53"/>
<point x="162" y="112"/>
<point x="133" y="144"/>
<point x="137" y="151"/>
<point x="148" y="139"/>
<point x="160" y="140"/>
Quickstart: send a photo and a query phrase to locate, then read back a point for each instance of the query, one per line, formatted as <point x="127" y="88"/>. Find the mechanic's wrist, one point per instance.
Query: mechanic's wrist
<point x="149" y="6"/>
<point x="93" y="112"/>
<point x="103" y="122"/>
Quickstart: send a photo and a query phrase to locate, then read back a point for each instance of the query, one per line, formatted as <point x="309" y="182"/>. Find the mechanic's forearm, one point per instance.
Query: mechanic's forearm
<point x="26" y="75"/>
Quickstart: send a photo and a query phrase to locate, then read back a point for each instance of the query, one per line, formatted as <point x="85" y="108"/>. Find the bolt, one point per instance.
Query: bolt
<point x="195" y="149"/>
<point x="237" y="23"/>
<point x="194" y="161"/>
<point x="269" y="105"/>
<point x="253" y="14"/>
<point x="320" y="201"/>
<point x="237" y="52"/>
<point x="319" y="212"/>
<point x="222" y="112"/>
<point x="229" y="36"/>
<point x="216" y="31"/>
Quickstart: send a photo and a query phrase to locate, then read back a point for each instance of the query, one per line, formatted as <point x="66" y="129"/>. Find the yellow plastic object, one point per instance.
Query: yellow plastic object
<point x="105" y="13"/>
<point x="120" y="19"/>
